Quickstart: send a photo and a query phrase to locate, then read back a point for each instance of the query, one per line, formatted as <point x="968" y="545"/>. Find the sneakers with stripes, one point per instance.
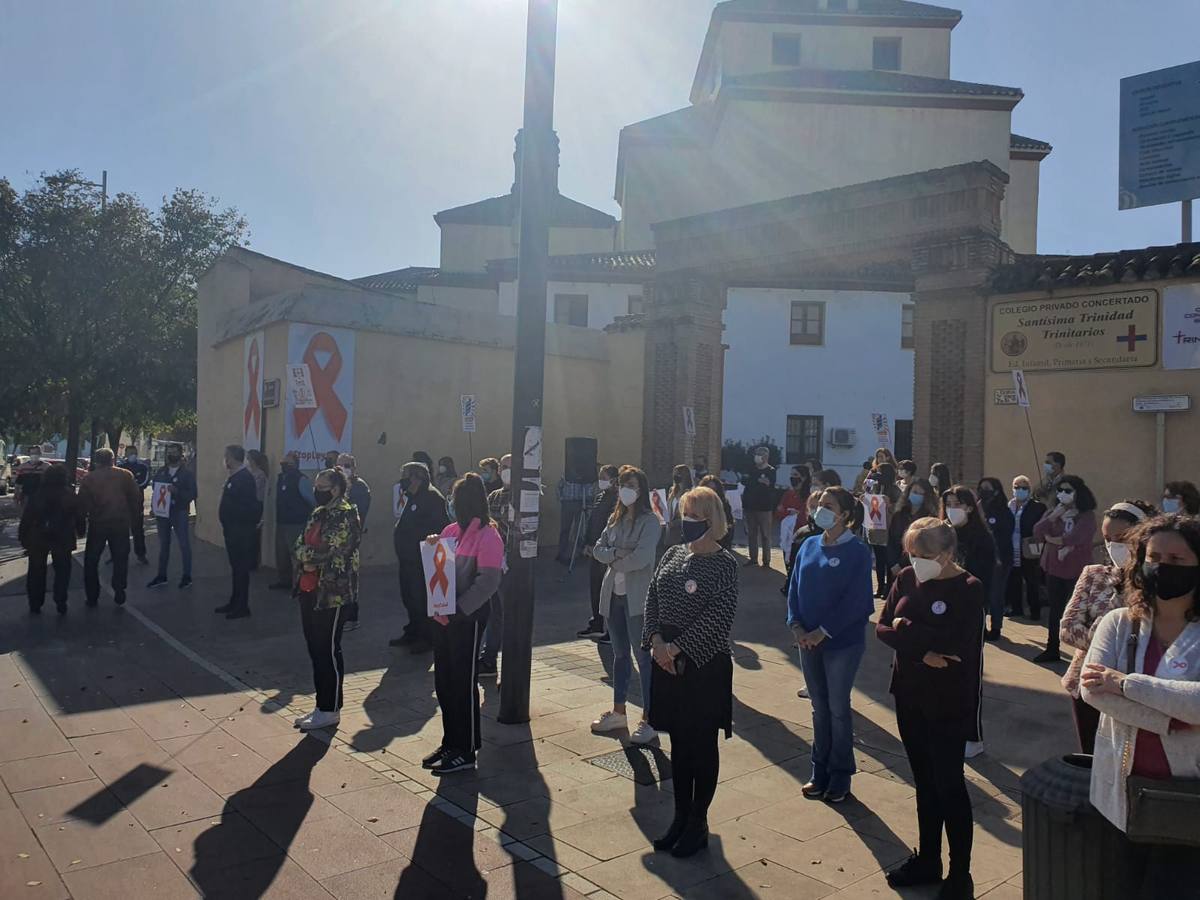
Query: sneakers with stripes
<point x="453" y="761"/>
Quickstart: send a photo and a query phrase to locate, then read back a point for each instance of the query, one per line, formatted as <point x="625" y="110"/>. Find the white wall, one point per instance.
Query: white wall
<point x="605" y="301"/>
<point x="1019" y="210"/>
<point x="469" y="248"/>
<point x="860" y="370"/>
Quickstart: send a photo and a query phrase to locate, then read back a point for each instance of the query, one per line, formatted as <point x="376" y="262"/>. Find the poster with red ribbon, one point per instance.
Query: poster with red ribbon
<point x="329" y="355"/>
<point x="160" y="500"/>
<point x="253" y="373"/>
<point x="438" y="560"/>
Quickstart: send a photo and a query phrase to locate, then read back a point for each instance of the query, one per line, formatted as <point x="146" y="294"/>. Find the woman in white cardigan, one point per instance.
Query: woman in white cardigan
<point x="1150" y="715"/>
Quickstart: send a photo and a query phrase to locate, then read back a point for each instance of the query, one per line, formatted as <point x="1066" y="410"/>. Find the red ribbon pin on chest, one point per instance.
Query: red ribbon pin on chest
<point x="323" y="380"/>
<point x="253" y="405"/>
<point x="439" y="573"/>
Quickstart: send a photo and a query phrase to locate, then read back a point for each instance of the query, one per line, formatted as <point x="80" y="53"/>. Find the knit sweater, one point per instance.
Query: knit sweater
<point x="831" y="590"/>
<point x="696" y="595"/>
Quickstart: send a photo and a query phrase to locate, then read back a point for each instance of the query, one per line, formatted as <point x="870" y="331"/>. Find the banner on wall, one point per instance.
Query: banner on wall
<point x="883" y="431"/>
<point x="1181" y="327"/>
<point x="253" y="372"/>
<point x="328" y="423"/>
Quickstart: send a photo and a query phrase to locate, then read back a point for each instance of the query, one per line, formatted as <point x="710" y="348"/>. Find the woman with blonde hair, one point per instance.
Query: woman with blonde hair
<point x="627" y="547"/>
<point x="689" y="613"/>
<point x="933" y="620"/>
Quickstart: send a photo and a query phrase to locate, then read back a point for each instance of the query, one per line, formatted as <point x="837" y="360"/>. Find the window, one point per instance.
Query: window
<point x="637" y="305"/>
<point x="808" y="323"/>
<point x="906" y="326"/>
<point x="887" y="54"/>
<point x="571" y="309"/>
<point x="804" y="438"/>
<point x="785" y="49"/>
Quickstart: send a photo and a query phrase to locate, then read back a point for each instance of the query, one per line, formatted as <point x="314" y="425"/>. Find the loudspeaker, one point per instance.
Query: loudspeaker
<point x="581" y="463"/>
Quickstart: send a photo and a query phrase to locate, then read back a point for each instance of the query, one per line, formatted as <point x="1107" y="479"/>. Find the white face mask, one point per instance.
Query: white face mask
<point x="441" y="470"/>
<point x="606" y="484"/>
<point x="925" y="569"/>
<point x="956" y="516"/>
<point x="506" y="477"/>
<point x="933" y="481"/>
<point x="1048" y="468"/>
<point x="1120" y="553"/>
<point x="824" y="518"/>
<point x="1066" y="499"/>
<point x="628" y="495"/>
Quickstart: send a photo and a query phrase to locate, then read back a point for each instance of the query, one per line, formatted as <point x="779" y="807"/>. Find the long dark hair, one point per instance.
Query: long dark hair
<point x="681" y="482"/>
<point x="973" y="530"/>
<point x="998" y="495"/>
<point x="470" y="501"/>
<point x="942" y="471"/>
<point x="641" y="505"/>
<point x="929" y="505"/>
<point x="1187" y="492"/>
<point x="847" y="503"/>
<point x="1085" y="500"/>
<point x="1140" y="605"/>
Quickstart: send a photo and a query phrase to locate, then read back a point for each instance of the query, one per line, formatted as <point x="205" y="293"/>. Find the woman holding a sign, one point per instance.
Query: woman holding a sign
<point x="627" y="547"/>
<point x="462" y="568"/>
<point x="326" y="580"/>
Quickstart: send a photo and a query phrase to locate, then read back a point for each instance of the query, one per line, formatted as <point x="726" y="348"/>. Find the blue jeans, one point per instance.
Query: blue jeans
<point x="177" y="522"/>
<point x="829" y="676"/>
<point x="626" y="634"/>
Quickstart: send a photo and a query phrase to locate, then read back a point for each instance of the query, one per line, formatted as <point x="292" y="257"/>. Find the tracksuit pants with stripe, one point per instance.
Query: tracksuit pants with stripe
<point x="323" y="634"/>
<point x="455" y="657"/>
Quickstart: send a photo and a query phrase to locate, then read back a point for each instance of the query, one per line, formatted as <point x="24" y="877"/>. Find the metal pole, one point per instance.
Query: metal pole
<point x="536" y="194"/>
<point x="1160" y="450"/>
<point x="1187" y="221"/>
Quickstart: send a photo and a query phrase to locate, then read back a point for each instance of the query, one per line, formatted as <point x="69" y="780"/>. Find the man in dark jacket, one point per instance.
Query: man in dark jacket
<point x="181" y="484"/>
<point x="294" y="502"/>
<point x="239" y="514"/>
<point x="109" y="500"/>
<point x="141" y="476"/>
<point x="50" y="525"/>
<point x="606" y="502"/>
<point x="424" y="514"/>
<point x="758" y="505"/>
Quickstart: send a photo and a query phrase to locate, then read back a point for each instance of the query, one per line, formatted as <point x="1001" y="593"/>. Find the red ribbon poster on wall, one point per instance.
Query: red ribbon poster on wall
<point x="329" y="355"/>
<point x="253" y="371"/>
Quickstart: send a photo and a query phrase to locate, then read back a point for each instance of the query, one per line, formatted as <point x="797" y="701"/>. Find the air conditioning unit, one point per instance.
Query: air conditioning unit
<point x="842" y="437"/>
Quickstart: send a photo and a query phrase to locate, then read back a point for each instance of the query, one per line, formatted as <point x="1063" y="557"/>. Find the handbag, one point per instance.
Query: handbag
<point x="1160" y="811"/>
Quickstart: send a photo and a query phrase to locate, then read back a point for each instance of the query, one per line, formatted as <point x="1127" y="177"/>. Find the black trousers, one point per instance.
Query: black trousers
<point x="1087" y="723"/>
<point x="1058" y="595"/>
<point x="139" y="536"/>
<point x="35" y="578"/>
<point x="935" y="753"/>
<point x="493" y="634"/>
<point x="116" y="539"/>
<point x="695" y="767"/>
<point x="1025" y="588"/>
<point x="323" y="635"/>
<point x="240" y="547"/>
<point x="1155" y="871"/>
<point x="455" y="656"/>
<point x="413" y="594"/>
<point x="881" y="569"/>
<point x="595" y="581"/>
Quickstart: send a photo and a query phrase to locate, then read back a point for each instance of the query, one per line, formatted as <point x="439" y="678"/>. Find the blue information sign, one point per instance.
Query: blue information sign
<point x="1160" y="137"/>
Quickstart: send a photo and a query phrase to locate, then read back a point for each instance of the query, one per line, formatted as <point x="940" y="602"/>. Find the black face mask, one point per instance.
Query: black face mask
<point x="322" y="497"/>
<point x="173" y="460"/>
<point x="796" y="482"/>
<point x="1167" y="582"/>
<point x="692" y="531"/>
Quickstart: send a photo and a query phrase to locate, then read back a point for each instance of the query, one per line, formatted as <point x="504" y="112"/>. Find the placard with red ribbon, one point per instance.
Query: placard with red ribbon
<point x="329" y="355"/>
<point x="160" y="499"/>
<point x="438" y="560"/>
<point x="253" y="372"/>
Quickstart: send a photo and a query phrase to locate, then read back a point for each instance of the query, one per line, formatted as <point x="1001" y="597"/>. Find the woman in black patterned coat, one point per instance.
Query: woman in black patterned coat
<point x="689" y="613"/>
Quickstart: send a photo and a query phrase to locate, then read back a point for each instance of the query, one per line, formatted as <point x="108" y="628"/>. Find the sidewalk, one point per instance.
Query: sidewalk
<point x="149" y="752"/>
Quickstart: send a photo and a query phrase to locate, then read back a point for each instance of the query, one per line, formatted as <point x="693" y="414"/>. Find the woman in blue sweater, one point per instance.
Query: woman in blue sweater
<point x="829" y="603"/>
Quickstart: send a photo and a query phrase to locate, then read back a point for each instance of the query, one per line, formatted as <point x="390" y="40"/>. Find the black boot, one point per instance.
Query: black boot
<point x="668" y="840"/>
<point x="957" y="887"/>
<point x="693" y="840"/>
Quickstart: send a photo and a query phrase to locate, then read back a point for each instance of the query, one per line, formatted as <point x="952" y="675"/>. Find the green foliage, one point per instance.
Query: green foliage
<point x="98" y="304"/>
<point x="739" y="455"/>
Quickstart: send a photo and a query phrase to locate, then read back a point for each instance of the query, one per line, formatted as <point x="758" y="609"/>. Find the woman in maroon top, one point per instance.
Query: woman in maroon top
<point x="1067" y="531"/>
<point x="933" y="619"/>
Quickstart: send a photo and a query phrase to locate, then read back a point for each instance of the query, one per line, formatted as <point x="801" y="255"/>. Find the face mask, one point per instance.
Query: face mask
<point x="678" y="479"/>
<point x="916" y="499"/>
<point x="349" y="470"/>
<point x="132" y="457"/>
<point x="1118" y="552"/>
<point x="824" y="518"/>
<point x="628" y="495"/>
<point x="818" y="487"/>
<point x="1021" y="493"/>
<point x="1167" y="582"/>
<point x="506" y="477"/>
<point x="1171" y="506"/>
<point x="692" y="529"/>
<point x="933" y="480"/>
<point x="1066" y="498"/>
<point x="322" y="497"/>
<point x="956" y="516"/>
<point x="1048" y="468"/>
<point x="441" y="470"/>
<point x="796" y="482"/>
<point x="760" y="461"/>
<point x="986" y="492"/>
<point x="925" y="569"/>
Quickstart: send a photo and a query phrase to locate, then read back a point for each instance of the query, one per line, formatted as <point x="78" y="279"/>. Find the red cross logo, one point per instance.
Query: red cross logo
<point x="1131" y="339"/>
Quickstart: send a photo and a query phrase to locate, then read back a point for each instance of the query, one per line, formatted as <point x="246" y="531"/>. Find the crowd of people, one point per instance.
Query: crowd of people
<point x="950" y="563"/>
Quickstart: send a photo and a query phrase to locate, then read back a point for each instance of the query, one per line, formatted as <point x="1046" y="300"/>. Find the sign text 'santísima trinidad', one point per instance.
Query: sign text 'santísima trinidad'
<point x="1091" y="331"/>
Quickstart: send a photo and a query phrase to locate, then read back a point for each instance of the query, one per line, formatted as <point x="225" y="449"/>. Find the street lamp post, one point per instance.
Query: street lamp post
<point x="538" y="185"/>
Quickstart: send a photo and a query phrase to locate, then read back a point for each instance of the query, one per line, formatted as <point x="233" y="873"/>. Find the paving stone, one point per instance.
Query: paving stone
<point x="221" y="841"/>
<point x="79" y="845"/>
<point x="153" y="875"/>
<point x="113" y="755"/>
<point x="279" y="810"/>
<point x="449" y="850"/>
<point x="169" y="719"/>
<point x="841" y="857"/>
<point x="336" y="844"/>
<point x="177" y="797"/>
<point x="81" y="800"/>
<point x="763" y="880"/>
<point x="530" y="818"/>
<point x="97" y="721"/>
<point x="381" y="809"/>
<point x="25" y="869"/>
<point x="27" y="731"/>
<point x="44" y="771"/>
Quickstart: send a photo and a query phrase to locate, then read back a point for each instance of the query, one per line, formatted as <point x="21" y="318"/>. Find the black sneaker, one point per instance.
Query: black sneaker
<point x="143" y="560"/>
<point x="433" y="758"/>
<point x="238" y="614"/>
<point x="485" y="668"/>
<point x="157" y="581"/>
<point x="915" y="871"/>
<point x="224" y="608"/>
<point x="957" y="887"/>
<point x="453" y="761"/>
<point x="604" y="639"/>
<point x="592" y="629"/>
<point x="420" y="646"/>
<point x="1048" y="656"/>
<point x="185" y="582"/>
<point x="119" y="598"/>
<point x="407" y="638"/>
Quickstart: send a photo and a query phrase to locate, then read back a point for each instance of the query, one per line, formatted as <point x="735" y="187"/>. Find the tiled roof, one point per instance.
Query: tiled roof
<point x="869" y="81"/>
<point x="1050" y="273"/>
<point x="901" y="9"/>
<point x="623" y="264"/>
<point x="402" y="281"/>
<point x="503" y="211"/>
<point x="1020" y="142"/>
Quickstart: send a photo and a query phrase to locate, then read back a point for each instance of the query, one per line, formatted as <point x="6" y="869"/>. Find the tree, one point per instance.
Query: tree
<point x="98" y="304"/>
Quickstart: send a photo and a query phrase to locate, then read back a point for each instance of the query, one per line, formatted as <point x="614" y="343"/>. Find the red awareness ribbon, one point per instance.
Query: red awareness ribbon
<point x="253" y="408"/>
<point x="162" y="496"/>
<point x="323" y="380"/>
<point x="439" y="564"/>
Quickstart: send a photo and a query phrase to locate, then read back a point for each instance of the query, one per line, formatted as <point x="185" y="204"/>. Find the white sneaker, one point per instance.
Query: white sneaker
<point x="303" y="720"/>
<point x="644" y="734"/>
<point x="974" y="749"/>
<point x="321" y="719"/>
<point x="610" y="721"/>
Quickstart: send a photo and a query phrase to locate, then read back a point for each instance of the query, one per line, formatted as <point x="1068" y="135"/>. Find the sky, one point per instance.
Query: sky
<point x="339" y="128"/>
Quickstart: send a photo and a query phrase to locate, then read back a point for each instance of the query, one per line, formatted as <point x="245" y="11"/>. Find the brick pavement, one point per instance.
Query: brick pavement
<point x="150" y="751"/>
